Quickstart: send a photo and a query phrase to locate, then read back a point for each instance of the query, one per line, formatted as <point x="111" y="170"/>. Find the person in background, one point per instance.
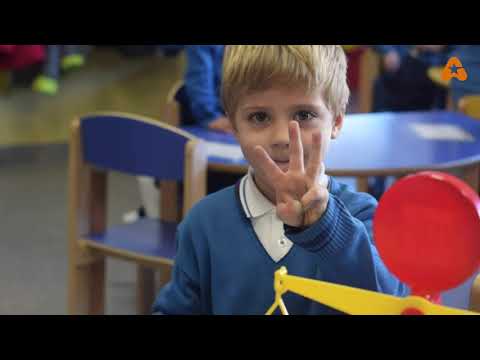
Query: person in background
<point x="18" y="65"/>
<point x="199" y="98"/>
<point x="58" y="58"/>
<point x="200" y="104"/>
<point x="403" y="85"/>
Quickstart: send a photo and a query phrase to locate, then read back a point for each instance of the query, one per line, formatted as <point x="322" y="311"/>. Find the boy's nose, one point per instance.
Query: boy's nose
<point x="279" y="134"/>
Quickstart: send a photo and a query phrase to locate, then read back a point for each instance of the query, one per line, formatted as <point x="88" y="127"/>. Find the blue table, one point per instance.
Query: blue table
<point x="384" y="144"/>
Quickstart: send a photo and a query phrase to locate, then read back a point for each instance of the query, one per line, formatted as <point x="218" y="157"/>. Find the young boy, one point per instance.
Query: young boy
<point x="285" y="103"/>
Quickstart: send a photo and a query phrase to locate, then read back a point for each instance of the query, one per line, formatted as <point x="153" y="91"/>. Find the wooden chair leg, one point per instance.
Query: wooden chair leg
<point x="145" y="289"/>
<point x="369" y="69"/>
<point x="86" y="288"/>
<point x="362" y="184"/>
<point x="471" y="176"/>
<point x="475" y="295"/>
<point x="165" y="275"/>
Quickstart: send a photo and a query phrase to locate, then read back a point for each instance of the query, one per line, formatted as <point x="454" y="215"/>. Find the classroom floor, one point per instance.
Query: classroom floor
<point x="33" y="177"/>
<point x="109" y="81"/>
<point x="33" y="240"/>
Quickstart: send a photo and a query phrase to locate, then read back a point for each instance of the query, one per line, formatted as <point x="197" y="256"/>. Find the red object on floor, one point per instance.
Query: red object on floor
<point x="14" y="57"/>
<point x="427" y="231"/>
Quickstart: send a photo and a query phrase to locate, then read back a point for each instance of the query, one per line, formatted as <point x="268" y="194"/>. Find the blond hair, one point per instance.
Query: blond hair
<point x="248" y="68"/>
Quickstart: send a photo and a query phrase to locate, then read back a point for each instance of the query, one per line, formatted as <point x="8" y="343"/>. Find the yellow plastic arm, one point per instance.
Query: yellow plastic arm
<point x="351" y="300"/>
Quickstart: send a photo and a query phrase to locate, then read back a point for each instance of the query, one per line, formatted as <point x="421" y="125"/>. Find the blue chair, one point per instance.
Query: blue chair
<point x="105" y="142"/>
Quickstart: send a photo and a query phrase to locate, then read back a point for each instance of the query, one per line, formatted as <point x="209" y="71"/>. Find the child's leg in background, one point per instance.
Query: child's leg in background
<point x="149" y="195"/>
<point x="47" y="81"/>
<point x="149" y="201"/>
<point x="72" y="58"/>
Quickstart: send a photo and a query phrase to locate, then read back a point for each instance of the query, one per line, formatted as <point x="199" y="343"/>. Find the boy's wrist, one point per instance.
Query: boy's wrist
<point x="317" y="234"/>
<point x="293" y="229"/>
<point x="289" y="229"/>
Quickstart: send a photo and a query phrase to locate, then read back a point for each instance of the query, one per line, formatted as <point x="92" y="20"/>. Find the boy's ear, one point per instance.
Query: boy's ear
<point x="337" y="126"/>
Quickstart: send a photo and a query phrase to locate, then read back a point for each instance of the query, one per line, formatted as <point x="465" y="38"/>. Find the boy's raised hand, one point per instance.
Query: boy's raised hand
<point x="301" y="194"/>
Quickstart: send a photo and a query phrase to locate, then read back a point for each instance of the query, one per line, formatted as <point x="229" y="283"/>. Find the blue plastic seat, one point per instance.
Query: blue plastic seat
<point x="138" y="146"/>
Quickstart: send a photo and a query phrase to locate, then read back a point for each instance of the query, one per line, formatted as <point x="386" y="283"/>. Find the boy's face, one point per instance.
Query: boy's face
<point x="262" y="118"/>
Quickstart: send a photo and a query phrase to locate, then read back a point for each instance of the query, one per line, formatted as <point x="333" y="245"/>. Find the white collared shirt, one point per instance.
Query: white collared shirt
<point x="263" y="215"/>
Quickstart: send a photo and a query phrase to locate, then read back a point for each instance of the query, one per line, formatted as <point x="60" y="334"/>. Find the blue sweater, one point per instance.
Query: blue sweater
<point x="222" y="268"/>
<point x="202" y="82"/>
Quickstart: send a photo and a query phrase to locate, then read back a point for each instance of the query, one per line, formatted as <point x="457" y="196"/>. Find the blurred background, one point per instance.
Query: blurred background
<point x="44" y="87"/>
<point x="34" y="130"/>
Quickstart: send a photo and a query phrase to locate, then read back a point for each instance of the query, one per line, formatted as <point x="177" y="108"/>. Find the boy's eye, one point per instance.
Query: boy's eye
<point x="304" y="116"/>
<point x="258" y="117"/>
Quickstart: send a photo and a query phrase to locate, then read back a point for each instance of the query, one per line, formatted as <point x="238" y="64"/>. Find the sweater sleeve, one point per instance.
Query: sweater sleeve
<point x="343" y="238"/>
<point x="200" y="84"/>
<point x="181" y="296"/>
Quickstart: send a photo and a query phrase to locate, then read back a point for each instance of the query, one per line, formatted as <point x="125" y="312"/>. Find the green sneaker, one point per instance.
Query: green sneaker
<point x="73" y="61"/>
<point x="45" y="85"/>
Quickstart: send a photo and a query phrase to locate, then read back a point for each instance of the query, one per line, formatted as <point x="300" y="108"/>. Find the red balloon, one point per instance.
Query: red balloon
<point x="427" y="231"/>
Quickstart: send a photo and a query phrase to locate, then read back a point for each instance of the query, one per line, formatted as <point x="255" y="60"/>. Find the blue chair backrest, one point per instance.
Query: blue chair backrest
<point x="127" y="144"/>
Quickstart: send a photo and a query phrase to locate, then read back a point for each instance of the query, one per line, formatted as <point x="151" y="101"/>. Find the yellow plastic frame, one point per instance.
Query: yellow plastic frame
<point x="352" y="300"/>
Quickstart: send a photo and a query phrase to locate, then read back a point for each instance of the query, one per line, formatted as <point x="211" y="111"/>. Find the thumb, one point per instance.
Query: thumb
<point x="323" y="178"/>
<point x="291" y="213"/>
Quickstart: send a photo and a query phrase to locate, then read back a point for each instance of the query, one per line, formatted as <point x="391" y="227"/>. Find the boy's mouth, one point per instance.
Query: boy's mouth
<point x="282" y="164"/>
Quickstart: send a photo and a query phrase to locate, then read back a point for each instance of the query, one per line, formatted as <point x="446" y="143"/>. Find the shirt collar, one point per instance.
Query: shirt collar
<point x="254" y="203"/>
